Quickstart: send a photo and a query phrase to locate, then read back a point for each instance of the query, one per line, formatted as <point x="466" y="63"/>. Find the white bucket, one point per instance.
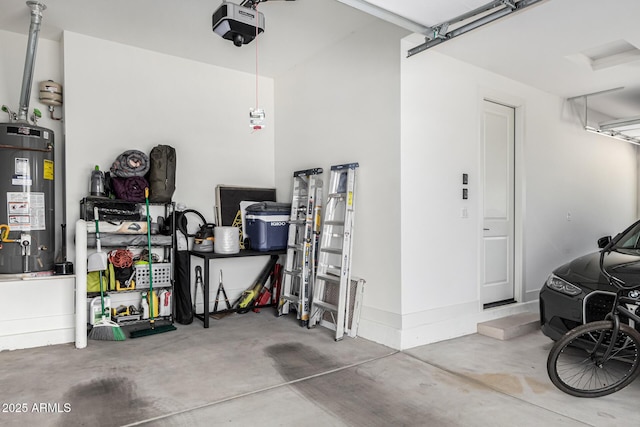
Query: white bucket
<point x="95" y="309"/>
<point x="165" y="302"/>
<point x="227" y="240"/>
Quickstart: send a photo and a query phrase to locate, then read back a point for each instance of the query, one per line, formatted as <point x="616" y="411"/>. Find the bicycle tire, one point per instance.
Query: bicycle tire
<point x="573" y="369"/>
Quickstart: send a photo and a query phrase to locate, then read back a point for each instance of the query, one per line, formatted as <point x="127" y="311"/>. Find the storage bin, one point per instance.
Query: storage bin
<point x="161" y="275"/>
<point x="109" y="209"/>
<point x="268" y="225"/>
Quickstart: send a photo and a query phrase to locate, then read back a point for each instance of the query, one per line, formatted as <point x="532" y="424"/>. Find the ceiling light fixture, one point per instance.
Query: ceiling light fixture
<point x="611" y="54"/>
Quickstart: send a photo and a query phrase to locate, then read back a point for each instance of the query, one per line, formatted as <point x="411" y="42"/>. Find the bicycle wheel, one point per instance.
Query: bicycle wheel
<point x="576" y="366"/>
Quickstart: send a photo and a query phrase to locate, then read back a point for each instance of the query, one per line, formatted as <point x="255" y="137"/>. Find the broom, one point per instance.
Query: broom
<point x="105" y="329"/>
<point x="153" y="329"/>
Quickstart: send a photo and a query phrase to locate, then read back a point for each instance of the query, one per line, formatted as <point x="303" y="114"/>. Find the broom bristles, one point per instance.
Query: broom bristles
<point x="152" y="331"/>
<point x="106" y="331"/>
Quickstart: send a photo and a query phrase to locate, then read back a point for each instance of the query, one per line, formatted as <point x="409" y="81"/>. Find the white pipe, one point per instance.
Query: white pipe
<point x="81" y="284"/>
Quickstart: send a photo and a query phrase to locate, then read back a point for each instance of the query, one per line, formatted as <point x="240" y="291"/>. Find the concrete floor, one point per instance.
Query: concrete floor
<point x="256" y="369"/>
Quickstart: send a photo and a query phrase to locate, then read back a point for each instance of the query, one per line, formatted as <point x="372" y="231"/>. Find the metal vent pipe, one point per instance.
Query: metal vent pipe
<point x="29" y="62"/>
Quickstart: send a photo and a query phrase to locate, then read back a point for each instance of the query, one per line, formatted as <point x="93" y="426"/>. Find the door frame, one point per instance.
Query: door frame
<point x="518" y="104"/>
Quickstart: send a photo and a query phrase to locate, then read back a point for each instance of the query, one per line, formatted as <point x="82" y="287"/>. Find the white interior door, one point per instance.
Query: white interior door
<point x="498" y="124"/>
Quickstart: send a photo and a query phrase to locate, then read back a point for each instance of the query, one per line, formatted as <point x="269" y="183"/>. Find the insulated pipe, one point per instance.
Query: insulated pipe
<point x="29" y="62"/>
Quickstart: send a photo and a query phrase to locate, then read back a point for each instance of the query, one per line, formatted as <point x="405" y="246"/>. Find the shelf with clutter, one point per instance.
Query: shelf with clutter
<point x="131" y="284"/>
<point x="126" y="286"/>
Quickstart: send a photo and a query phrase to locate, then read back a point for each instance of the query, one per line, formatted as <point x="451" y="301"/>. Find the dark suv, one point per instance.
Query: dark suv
<point x="577" y="292"/>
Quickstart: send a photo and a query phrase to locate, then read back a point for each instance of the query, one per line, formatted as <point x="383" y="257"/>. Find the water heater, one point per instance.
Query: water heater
<point x="27" y="197"/>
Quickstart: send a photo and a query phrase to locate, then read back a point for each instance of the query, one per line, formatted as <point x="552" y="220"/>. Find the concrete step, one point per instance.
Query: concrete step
<point x="509" y="327"/>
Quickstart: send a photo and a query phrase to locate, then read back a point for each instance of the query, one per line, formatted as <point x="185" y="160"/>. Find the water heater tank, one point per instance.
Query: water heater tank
<point x="27" y="198"/>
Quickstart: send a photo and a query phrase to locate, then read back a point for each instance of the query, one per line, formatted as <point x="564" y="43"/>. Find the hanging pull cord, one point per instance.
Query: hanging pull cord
<point x="257" y="26"/>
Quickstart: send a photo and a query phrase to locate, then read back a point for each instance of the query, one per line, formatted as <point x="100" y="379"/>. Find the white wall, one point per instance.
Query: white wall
<point x="342" y="106"/>
<point x="37" y="312"/>
<point x="414" y="126"/>
<point x="119" y="97"/>
<point x="562" y="170"/>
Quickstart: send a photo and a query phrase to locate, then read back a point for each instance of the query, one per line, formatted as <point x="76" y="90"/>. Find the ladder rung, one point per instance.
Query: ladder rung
<point x="329" y="278"/>
<point x="332" y="222"/>
<point x="292" y="298"/>
<point x="326" y="267"/>
<point x="332" y="270"/>
<point x="337" y="251"/>
<point x="297" y="221"/>
<point x="293" y="272"/>
<point x="325" y="305"/>
<point x="336" y="196"/>
<point x="295" y="247"/>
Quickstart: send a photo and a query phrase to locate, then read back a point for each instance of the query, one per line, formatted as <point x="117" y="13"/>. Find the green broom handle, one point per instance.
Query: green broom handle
<point x="146" y="199"/>
<point x="99" y="249"/>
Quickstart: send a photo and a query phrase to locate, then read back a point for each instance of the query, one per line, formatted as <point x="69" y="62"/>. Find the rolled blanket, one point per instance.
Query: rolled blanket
<point x="130" y="189"/>
<point x="130" y="163"/>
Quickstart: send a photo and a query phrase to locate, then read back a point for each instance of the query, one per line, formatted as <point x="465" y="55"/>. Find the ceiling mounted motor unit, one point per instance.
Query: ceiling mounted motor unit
<point x="237" y="23"/>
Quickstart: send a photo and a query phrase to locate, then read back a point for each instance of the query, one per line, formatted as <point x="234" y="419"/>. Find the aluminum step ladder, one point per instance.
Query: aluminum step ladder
<point x="302" y="244"/>
<point x="331" y="289"/>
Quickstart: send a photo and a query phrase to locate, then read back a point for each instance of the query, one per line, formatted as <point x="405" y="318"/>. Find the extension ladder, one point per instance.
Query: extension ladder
<point x="333" y="278"/>
<point x="304" y="232"/>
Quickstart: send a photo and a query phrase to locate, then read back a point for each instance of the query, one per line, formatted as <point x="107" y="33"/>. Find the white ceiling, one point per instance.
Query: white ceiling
<point x="543" y="45"/>
<point x="546" y="45"/>
<point x="294" y="30"/>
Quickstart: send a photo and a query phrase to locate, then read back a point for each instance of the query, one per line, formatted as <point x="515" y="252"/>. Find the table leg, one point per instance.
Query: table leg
<point x="205" y="298"/>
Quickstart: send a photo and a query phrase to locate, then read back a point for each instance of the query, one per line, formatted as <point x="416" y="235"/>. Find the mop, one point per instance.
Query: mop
<point x="105" y="329"/>
<point x="153" y="329"/>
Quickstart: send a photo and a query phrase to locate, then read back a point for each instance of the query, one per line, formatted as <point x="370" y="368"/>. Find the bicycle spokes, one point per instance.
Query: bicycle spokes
<point x="592" y="361"/>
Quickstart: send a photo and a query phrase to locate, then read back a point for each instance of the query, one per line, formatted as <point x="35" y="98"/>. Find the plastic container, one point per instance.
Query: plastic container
<point x="268" y="225"/>
<point x="144" y="305"/>
<point x="156" y="305"/>
<point x="227" y="240"/>
<point x="97" y="183"/>
<point x="165" y="304"/>
<point x="161" y="275"/>
<point x="95" y="309"/>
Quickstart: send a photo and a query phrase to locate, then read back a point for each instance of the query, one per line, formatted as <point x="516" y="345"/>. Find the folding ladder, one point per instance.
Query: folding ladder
<point x="304" y="234"/>
<point x="331" y="290"/>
